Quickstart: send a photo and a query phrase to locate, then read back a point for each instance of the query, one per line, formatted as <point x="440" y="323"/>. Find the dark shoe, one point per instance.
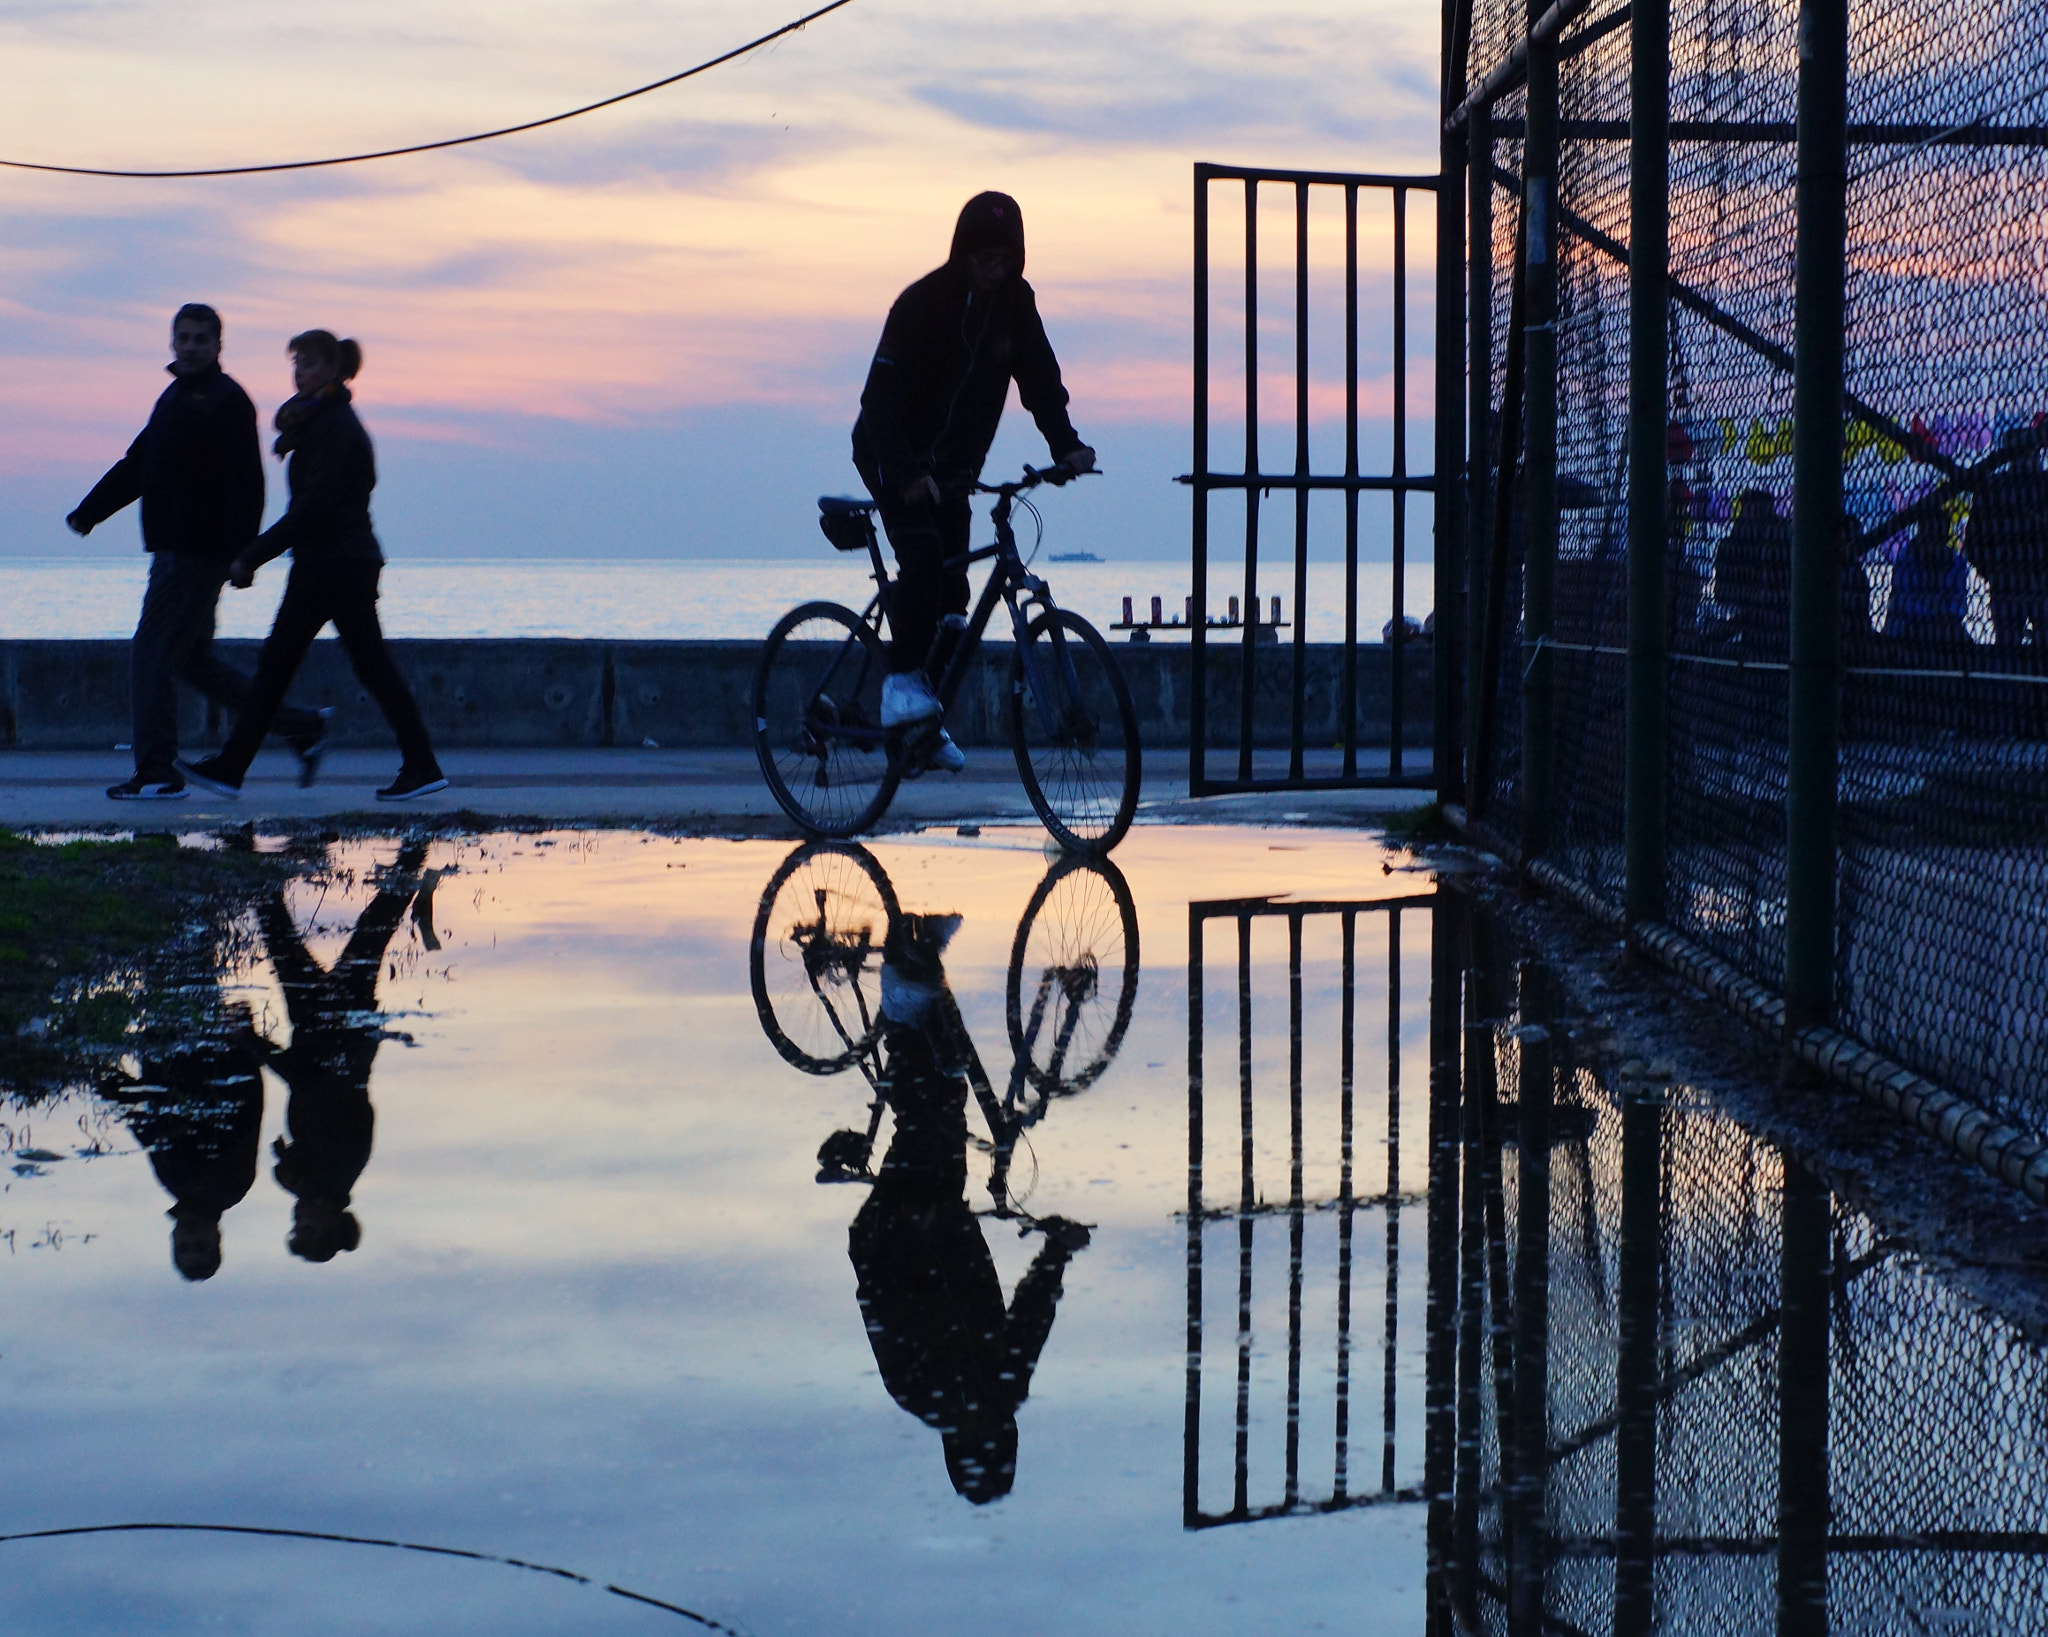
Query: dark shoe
<point x="210" y="775"/>
<point x="409" y="784"/>
<point x="148" y="787"/>
<point x="312" y="748"/>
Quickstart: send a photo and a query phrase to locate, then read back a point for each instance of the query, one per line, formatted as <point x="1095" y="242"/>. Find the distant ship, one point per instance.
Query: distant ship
<point x="1073" y="557"/>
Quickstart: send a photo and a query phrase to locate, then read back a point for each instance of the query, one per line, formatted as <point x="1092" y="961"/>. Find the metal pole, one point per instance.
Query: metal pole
<point x="1649" y="488"/>
<point x="1397" y="641"/>
<point x="1296" y="719"/>
<point x="1191" y="1430"/>
<point x="1803" y="1489"/>
<point x="1539" y="558"/>
<point x="1198" y="617"/>
<point x="1527" y="1538"/>
<point x="1817" y="347"/>
<point x="1440" y="1326"/>
<point x="1479" y="433"/>
<point x="1448" y="737"/>
<point x="1350" y="683"/>
<point x="1636" y="1368"/>
<point x="1246" y="680"/>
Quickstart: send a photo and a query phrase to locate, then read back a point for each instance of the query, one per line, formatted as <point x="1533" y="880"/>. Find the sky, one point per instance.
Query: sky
<point x="643" y="333"/>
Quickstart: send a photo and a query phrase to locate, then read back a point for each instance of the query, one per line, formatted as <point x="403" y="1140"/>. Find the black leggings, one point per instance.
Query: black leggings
<point x="924" y="537"/>
<point x="345" y="592"/>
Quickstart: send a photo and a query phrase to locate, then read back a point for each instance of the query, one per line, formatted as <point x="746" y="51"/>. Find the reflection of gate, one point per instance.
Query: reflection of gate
<point x="1336" y="710"/>
<point x="1335" y="1214"/>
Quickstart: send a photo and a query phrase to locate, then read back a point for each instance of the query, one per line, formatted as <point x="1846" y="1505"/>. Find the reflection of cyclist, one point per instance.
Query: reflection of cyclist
<point x="199" y="1114"/>
<point x="949" y="1351"/>
<point x="335" y="1035"/>
<point x="952" y="344"/>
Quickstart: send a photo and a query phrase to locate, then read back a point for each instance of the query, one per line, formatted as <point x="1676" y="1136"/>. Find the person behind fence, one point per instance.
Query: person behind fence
<point x="336" y="562"/>
<point x="949" y="1349"/>
<point x="1859" y="634"/>
<point x="1752" y="576"/>
<point x="2006" y="541"/>
<point x="952" y="344"/>
<point x="1930" y="590"/>
<point x="197" y="468"/>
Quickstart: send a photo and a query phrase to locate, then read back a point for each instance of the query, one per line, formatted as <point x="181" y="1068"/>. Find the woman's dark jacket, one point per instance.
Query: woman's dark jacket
<point x="936" y="389"/>
<point x="196" y="468"/>
<point x="331" y="475"/>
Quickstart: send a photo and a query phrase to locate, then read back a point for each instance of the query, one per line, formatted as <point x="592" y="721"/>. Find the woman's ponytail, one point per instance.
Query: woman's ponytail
<point x="348" y="359"/>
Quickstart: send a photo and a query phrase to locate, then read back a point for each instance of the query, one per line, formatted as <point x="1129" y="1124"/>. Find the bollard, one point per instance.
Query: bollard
<point x="1157" y="617"/>
<point x="1127" y="611"/>
<point x="1188" y="611"/>
<point x="1276" y="610"/>
<point x="1233" y="611"/>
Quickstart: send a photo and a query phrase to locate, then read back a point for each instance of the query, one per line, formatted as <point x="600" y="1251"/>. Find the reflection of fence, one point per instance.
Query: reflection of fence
<point x="1757" y="535"/>
<point x="1692" y="1392"/>
<point x="1333" y="1216"/>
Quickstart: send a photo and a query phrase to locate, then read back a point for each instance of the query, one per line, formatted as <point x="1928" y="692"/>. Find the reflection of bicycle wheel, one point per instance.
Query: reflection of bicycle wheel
<point x="816" y="955"/>
<point x="1073" y="975"/>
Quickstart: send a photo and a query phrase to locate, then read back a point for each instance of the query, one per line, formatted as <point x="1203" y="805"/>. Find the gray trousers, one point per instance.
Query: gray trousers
<point x="173" y="644"/>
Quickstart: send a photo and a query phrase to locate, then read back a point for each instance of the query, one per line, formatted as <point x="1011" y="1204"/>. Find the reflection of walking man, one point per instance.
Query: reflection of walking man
<point x="198" y="472"/>
<point x="949" y="1350"/>
<point x="335" y="1036"/>
<point x="199" y="1115"/>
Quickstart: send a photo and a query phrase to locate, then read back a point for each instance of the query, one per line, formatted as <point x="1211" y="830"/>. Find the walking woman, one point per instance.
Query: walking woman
<point x="335" y="564"/>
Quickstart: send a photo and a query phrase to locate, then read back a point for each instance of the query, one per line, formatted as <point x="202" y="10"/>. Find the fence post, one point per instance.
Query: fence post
<point x="1447" y="738"/>
<point x="1649" y="489"/>
<point x="1539" y="505"/>
<point x="1814" y="727"/>
<point x="1479" y="419"/>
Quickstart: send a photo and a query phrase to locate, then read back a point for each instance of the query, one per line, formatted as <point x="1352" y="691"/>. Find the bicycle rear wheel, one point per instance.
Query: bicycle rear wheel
<point x="1077" y="745"/>
<point x="818" y="720"/>
<point x="815" y="959"/>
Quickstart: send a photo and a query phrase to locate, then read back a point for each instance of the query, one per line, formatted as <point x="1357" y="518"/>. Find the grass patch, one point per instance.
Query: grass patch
<point x="1420" y="826"/>
<point x="98" y="938"/>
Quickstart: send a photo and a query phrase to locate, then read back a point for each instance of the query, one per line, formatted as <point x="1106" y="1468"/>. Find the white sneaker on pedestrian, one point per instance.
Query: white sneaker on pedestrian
<point x="907" y="698"/>
<point x="948" y="758"/>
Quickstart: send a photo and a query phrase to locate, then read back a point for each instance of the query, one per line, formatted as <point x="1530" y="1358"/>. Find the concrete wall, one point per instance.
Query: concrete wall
<point x="541" y="692"/>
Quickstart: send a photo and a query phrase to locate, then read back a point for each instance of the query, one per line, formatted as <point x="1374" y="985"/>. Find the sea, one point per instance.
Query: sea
<point x="651" y="600"/>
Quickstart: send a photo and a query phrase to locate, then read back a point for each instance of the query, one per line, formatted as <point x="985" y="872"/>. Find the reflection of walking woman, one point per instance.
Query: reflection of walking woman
<point x="335" y="565"/>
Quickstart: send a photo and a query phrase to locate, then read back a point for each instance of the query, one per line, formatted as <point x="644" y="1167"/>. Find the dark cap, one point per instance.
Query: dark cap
<point x="989" y="221"/>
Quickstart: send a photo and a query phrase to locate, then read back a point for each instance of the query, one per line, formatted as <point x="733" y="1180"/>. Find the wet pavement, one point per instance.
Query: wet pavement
<point x="1245" y="1237"/>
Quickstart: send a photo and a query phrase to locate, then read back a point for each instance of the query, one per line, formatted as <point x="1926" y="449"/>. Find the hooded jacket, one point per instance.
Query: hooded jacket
<point x="332" y="472"/>
<point x="942" y="372"/>
<point x="195" y="467"/>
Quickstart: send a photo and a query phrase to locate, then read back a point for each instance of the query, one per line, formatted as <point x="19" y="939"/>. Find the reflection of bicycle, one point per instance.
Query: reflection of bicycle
<point x="818" y="696"/>
<point x="816" y="958"/>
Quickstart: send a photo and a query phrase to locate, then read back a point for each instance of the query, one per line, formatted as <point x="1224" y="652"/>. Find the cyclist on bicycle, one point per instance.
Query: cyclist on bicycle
<point x="952" y="344"/>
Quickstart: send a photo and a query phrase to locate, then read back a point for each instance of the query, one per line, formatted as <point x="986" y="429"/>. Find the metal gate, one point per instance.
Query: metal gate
<point x="1308" y="701"/>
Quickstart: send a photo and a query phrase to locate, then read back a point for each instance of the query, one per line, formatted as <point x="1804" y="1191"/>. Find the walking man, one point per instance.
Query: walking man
<point x="198" y="471"/>
<point x="953" y="343"/>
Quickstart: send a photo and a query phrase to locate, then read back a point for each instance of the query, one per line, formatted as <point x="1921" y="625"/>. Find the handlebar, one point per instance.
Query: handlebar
<point x="1033" y="476"/>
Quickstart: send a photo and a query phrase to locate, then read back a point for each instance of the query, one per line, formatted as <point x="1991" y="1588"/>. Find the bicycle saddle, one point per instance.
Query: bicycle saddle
<point x="844" y="506"/>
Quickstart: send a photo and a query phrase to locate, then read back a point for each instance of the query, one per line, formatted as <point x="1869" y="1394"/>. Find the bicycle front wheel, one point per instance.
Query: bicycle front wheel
<point x="815" y="960"/>
<point x="1075" y="732"/>
<point x="818" y="720"/>
<point x="1073" y="976"/>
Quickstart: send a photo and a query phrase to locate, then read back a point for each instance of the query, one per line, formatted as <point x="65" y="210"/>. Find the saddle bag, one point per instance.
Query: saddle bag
<point x="849" y="525"/>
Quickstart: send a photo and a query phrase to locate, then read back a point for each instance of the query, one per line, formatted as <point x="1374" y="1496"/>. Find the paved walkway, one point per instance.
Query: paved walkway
<point x="719" y="789"/>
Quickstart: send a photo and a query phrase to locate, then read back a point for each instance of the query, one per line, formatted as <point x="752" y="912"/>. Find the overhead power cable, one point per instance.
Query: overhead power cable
<point x="445" y="142"/>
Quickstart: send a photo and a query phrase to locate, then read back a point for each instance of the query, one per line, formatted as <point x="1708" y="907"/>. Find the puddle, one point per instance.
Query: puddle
<point x="877" y="1241"/>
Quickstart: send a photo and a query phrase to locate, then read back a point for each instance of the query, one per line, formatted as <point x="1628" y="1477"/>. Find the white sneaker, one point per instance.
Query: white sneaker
<point x="949" y="757"/>
<point x="907" y="698"/>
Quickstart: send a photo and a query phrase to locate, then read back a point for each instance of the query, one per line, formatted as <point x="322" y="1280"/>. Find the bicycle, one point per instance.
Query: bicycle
<point x="818" y="732"/>
<point x="815" y="962"/>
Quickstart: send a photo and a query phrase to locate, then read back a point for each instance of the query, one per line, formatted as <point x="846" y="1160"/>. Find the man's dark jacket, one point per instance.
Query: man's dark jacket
<point x="332" y="471"/>
<point x="936" y="389"/>
<point x="196" y="468"/>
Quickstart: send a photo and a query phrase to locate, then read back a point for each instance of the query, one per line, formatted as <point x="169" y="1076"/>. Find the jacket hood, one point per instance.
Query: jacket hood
<point x="988" y="220"/>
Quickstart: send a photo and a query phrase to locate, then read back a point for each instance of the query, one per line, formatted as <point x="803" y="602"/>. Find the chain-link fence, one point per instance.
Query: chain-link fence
<point x="1941" y="939"/>
<point x="1818" y="1420"/>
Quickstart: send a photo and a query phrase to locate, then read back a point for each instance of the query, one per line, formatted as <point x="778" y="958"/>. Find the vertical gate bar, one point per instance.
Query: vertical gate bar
<point x="1814" y="737"/>
<point x="1479" y="431"/>
<point x="1440" y="1303"/>
<point x="1251" y="475"/>
<point x="1393" y="1311"/>
<point x="1536" y="1087"/>
<point x="1478" y="1063"/>
<point x="1296" y="720"/>
<point x="1539" y="506"/>
<point x="1397" y="653"/>
<point x="1649" y="488"/>
<point x="1450" y="502"/>
<point x="1240" y="1487"/>
<point x="1637" y="1363"/>
<point x="1198" y="618"/>
<point x="1296" y="1209"/>
<point x="1191" y="1430"/>
<point x="1350" y="686"/>
<point x="1346" y="1205"/>
<point x="1493" y="601"/>
<point x="1804" y="1493"/>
